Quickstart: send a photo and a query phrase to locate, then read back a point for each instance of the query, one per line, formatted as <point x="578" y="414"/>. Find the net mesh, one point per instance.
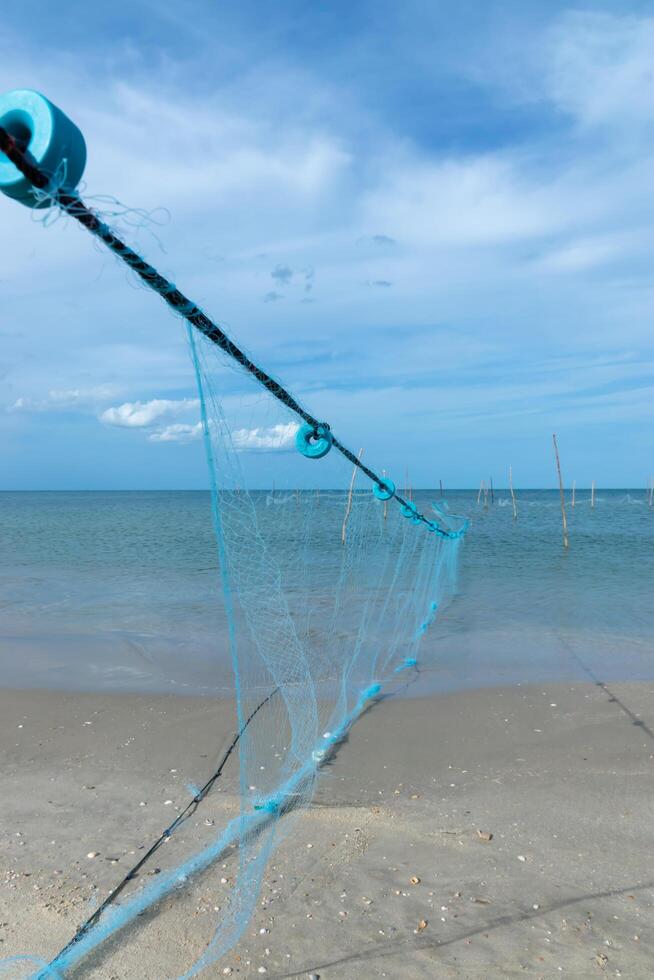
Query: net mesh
<point x="328" y="596"/>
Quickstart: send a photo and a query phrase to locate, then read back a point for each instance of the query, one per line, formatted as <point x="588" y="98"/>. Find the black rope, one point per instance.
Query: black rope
<point x="187" y="812"/>
<point x="180" y="303"/>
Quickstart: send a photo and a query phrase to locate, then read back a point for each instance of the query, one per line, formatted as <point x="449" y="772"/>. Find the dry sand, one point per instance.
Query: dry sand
<point x="386" y="875"/>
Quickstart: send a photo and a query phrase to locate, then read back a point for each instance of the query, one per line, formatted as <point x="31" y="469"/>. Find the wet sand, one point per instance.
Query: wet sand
<point x="503" y="832"/>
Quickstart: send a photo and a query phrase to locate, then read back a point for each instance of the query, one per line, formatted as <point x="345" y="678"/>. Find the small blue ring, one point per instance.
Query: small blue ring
<point x="409" y="509"/>
<point x="384" y="490"/>
<point x="314" y="443"/>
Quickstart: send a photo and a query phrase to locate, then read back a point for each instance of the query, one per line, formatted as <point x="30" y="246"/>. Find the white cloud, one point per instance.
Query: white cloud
<point x="178" y="432"/>
<point x="136" y="415"/>
<point x="584" y="253"/>
<point x="274" y="438"/>
<point x="262" y="439"/>
<point x="600" y="68"/>
<point x="236" y="153"/>
<point x="65" y="399"/>
<point x="484" y="199"/>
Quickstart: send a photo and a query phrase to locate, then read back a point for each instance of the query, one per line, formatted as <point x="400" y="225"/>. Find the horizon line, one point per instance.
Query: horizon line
<point x="290" y="489"/>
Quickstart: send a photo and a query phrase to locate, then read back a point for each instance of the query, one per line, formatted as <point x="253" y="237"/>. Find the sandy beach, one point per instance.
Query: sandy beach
<point x="502" y="832"/>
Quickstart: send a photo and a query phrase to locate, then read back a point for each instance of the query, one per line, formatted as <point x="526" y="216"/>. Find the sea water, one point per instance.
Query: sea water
<point x="121" y="591"/>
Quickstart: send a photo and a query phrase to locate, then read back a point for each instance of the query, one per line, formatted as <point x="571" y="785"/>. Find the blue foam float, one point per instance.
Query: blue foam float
<point x="384" y="490"/>
<point x="314" y="443"/>
<point x="52" y="140"/>
<point x="409" y="509"/>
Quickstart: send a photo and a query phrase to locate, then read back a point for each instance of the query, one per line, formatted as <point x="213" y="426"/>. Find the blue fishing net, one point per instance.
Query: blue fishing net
<point x="328" y="595"/>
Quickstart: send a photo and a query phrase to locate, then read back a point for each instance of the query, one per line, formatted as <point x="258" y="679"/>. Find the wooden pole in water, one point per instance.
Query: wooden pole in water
<point x="349" y="499"/>
<point x="563" y="517"/>
<point x="491" y="490"/>
<point x="592" y="495"/>
<point x="440" y="482"/>
<point x="481" y="490"/>
<point x="515" y="509"/>
<point x="574" y="484"/>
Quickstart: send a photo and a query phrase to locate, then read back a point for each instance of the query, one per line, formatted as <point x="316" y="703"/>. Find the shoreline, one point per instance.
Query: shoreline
<point x="122" y="663"/>
<point x="558" y="774"/>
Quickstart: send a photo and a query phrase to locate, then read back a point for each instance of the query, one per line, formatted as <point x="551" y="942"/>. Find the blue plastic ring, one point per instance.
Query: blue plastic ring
<point x="409" y="509"/>
<point x="384" y="490"/>
<point x="314" y="443"/>
<point x="49" y="135"/>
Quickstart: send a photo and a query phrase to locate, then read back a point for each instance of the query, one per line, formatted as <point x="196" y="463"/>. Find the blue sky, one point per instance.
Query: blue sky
<point x="432" y="220"/>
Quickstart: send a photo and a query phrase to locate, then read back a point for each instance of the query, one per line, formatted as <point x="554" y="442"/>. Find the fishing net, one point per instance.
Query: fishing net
<point x="328" y="594"/>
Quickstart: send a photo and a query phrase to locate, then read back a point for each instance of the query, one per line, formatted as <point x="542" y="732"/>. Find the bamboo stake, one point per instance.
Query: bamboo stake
<point x="592" y="495"/>
<point x="441" y="486"/>
<point x="349" y="499"/>
<point x="481" y="490"/>
<point x="563" y="517"/>
<point x="574" y="484"/>
<point x="491" y="490"/>
<point x="515" y="509"/>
